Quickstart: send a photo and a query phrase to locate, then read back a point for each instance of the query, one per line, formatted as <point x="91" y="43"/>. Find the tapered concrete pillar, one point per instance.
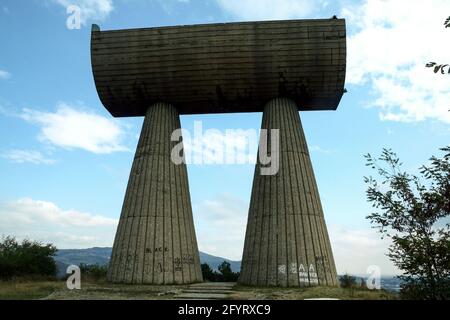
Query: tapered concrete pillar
<point x="155" y="241"/>
<point x="286" y="242"/>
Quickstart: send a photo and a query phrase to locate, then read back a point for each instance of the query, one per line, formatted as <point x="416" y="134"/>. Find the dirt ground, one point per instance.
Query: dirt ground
<point x="56" y="290"/>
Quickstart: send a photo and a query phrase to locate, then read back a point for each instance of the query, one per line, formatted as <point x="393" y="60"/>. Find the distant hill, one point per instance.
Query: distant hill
<point x="214" y="261"/>
<point x="66" y="257"/>
<point x="87" y="256"/>
<point x="101" y="256"/>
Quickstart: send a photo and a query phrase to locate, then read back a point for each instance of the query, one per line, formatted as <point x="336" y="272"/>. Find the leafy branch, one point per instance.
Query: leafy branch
<point x="438" y="67"/>
<point x="413" y="211"/>
<point x="443" y="68"/>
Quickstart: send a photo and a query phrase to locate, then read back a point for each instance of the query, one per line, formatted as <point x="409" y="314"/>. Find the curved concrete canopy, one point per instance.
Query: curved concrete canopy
<point x="220" y="68"/>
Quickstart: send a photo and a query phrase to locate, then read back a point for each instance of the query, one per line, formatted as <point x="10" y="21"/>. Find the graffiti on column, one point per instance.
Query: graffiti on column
<point x="178" y="262"/>
<point x="293" y="268"/>
<point x="185" y="259"/>
<point x="306" y="274"/>
<point x="156" y="249"/>
<point x="303" y="274"/>
<point x="323" y="267"/>
<point x="177" y="265"/>
<point x="312" y="275"/>
<point x="282" y="269"/>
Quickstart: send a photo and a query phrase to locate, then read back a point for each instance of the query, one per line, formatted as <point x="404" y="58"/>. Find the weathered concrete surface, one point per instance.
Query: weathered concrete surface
<point x="155" y="241"/>
<point x="286" y="242"/>
<point x="222" y="67"/>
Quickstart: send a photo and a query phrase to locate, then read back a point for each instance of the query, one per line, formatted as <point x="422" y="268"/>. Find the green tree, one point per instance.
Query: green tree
<point x="412" y="210"/>
<point x="93" y="271"/>
<point x="227" y="274"/>
<point x="26" y="259"/>
<point x="347" y="281"/>
<point x="209" y="274"/>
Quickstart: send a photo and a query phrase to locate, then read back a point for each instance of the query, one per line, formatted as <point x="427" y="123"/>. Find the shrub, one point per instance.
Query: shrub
<point x="347" y="281"/>
<point x="413" y="211"/>
<point x="225" y="273"/>
<point x="93" y="271"/>
<point x="26" y="259"/>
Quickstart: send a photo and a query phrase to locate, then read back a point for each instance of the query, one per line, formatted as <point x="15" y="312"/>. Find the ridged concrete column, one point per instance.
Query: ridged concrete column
<point x="155" y="241"/>
<point x="286" y="242"/>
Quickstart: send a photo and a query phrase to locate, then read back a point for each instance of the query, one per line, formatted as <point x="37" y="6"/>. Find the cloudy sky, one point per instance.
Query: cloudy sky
<point x="64" y="161"/>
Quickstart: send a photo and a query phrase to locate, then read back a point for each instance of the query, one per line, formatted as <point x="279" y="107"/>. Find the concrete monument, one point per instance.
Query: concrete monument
<point x="274" y="67"/>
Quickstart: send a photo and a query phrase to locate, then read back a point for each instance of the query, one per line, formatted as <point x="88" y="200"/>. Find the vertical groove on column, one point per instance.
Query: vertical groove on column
<point x="164" y="236"/>
<point x="188" y="232"/>
<point x="128" y="261"/>
<point x="186" y="226"/>
<point x="293" y="262"/>
<point x="145" y="265"/>
<point x="247" y="240"/>
<point x="152" y="244"/>
<point x="180" y="234"/>
<point x="137" y="254"/>
<point x="286" y="242"/>
<point x="187" y="268"/>
<point x="156" y="199"/>
<point x="293" y="267"/>
<point x="260" y="235"/>
<point x="329" y="269"/>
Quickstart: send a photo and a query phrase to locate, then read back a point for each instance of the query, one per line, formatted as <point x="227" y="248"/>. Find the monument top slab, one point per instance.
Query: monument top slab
<point x="220" y="68"/>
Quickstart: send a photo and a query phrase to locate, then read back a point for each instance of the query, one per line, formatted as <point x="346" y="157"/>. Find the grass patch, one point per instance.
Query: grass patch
<point x="93" y="290"/>
<point x="102" y="290"/>
<point x="272" y="293"/>
<point x="28" y="289"/>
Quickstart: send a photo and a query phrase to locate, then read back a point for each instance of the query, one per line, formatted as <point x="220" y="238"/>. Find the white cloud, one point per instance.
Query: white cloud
<point x="220" y="226"/>
<point x="45" y="221"/>
<point x="355" y="250"/>
<point x="316" y="148"/>
<point x="23" y="156"/>
<point x="91" y="10"/>
<point x="269" y="9"/>
<point x="71" y="127"/>
<point x="169" y="6"/>
<point x="4" y="74"/>
<point x="394" y="39"/>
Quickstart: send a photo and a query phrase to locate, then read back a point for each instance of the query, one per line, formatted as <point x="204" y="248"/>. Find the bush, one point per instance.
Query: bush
<point x="347" y="281"/>
<point x="93" y="271"/>
<point x="413" y="211"/>
<point x="26" y="259"/>
<point x="417" y="289"/>
<point x="209" y="274"/>
<point x="225" y="273"/>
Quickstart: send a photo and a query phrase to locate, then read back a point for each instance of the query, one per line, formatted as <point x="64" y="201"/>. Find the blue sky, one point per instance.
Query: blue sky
<point x="64" y="161"/>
